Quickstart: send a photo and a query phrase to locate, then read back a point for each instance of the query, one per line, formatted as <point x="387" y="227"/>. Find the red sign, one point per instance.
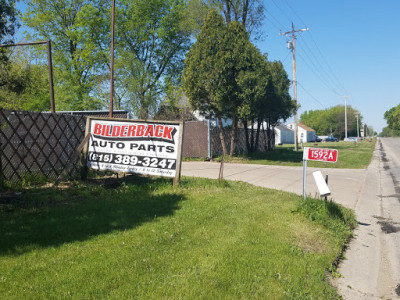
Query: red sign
<point x="320" y="154"/>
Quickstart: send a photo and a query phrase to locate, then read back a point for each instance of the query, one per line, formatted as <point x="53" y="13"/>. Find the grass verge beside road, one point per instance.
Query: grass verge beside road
<point x="140" y="238"/>
<point x="351" y="155"/>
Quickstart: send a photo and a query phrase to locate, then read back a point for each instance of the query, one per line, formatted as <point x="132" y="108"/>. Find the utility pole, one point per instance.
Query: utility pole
<point x="292" y="45"/>
<point x="110" y="114"/>
<point x="357" y="126"/>
<point x="345" y="115"/>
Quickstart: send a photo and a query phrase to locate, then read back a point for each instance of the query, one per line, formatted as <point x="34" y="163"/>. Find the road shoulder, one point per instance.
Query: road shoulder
<point x="366" y="270"/>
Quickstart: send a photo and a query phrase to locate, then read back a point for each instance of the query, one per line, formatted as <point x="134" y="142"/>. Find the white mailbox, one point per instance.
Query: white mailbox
<point x="321" y="184"/>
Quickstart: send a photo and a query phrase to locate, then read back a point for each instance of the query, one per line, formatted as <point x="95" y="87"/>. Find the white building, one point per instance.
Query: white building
<point x="283" y="135"/>
<point x="305" y="134"/>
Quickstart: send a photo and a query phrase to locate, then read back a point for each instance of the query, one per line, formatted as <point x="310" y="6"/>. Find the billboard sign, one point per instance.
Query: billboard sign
<point x="150" y="148"/>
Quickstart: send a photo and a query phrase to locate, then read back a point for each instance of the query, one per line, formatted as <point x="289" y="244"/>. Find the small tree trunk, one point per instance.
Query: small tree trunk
<point x="233" y="135"/>
<point x="221" y="136"/>
<point x="252" y="136"/>
<point x="246" y="135"/>
<point x="273" y="138"/>
<point x="144" y="107"/>
<point x="259" y="123"/>
<point x="269" y="136"/>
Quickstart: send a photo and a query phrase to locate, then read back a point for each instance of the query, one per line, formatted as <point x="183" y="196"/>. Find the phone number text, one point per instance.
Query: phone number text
<point x="132" y="160"/>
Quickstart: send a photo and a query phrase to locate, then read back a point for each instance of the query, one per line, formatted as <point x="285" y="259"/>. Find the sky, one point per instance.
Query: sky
<point x="351" y="49"/>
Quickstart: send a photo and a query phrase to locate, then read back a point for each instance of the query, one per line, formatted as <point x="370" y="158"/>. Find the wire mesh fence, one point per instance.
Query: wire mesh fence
<point x="201" y="139"/>
<point x="265" y="141"/>
<point x="36" y="144"/>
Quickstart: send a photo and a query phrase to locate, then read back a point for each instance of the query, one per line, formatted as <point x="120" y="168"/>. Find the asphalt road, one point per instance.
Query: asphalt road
<point x="371" y="268"/>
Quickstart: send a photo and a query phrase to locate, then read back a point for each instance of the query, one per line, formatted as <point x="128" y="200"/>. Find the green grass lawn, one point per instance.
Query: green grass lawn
<point x="350" y="155"/>
<point x="139" y="238"/>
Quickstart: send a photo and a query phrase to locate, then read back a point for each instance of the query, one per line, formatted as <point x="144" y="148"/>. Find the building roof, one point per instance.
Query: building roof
<point x="305" y="127"/>
<point x="283" y="127"/>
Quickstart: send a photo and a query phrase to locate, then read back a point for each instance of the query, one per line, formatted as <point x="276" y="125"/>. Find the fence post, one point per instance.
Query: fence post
<point x="1" y="155"/>
<point x="1" y="168"/>
<point x="209" y="139"/>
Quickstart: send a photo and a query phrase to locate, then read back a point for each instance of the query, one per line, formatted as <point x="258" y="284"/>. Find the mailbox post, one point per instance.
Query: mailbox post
<point x="316" y="154"/>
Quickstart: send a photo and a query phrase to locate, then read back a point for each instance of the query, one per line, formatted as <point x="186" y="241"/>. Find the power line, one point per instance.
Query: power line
<point x="322" y="67"/>
<point x="314" y="68"/>
<point x="291" y="8"/>
<point x="287" y="55"/>
<point x="321" y="78"/>
<point x="275" y="20"/>
<point x="327" y="64"/>
<point x="282" y="11"/>
<point x="314" y="98"/>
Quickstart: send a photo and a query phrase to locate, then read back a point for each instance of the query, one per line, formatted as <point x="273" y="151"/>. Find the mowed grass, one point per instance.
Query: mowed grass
<point x="350" y="155"/>
<point x="139" y="238"/>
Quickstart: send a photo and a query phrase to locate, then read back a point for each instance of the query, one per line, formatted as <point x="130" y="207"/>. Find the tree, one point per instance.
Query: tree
<point x="253" y="83"/>
<point x="25" y="84"/>
<point x="8" y="27"/>
<point x="386" y="132"/>
<point x="250" y="13"/>
<point x="152" y="38"/>
<point x="277" y="105"/>
<point x="392" y="117"/>
<point x="332" y="121"/>
<point x="271" y="104"/>
<point x="203" y="79"/>
<point x="79" y="30"/>
<point x="243" y="64"/>
<point x="8" y="21"/>
<point x="217" y="68"/>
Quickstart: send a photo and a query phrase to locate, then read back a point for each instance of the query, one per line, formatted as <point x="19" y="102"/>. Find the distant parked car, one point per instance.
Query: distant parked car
<point x="331" y="139"/>
<point x="318" y="139"/>
<point x="350" y="139"/>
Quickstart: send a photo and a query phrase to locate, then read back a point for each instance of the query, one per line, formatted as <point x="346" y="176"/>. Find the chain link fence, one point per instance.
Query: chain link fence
<point x="36" y="145"/>
<point x="201" y="140"/>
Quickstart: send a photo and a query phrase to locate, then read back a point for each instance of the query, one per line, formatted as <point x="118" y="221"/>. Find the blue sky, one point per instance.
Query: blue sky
<point x="352" y="48"/>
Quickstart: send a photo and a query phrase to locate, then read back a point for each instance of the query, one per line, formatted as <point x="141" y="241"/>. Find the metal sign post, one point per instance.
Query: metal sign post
<point x="304" y="177"/>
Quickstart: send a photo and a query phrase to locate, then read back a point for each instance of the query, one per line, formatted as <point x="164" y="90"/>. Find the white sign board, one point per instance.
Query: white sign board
<point x="151" y="148"/>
